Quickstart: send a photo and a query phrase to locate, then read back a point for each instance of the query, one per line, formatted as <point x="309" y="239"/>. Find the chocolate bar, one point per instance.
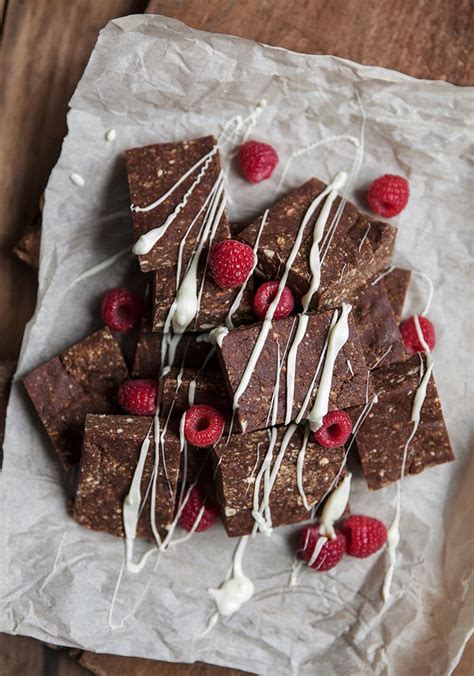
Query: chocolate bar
<point x="110" y="455"/>
<point x="349" y="382"/>
<point x="350" y="255"/>
<point x="377" y="327"/>
<point x="183" y="388"/>
<point x="82" y="379"/>
<point x="153" y="171"/>
<point x="147" y="361"/>
<point x="239" y="461"/>
<point x="214" y="306"/>
<point x="396" y="284"/>
<point x="382" y="437"/>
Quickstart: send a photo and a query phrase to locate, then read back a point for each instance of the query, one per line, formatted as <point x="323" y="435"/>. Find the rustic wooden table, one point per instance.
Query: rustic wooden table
<point x="45" y="46"/>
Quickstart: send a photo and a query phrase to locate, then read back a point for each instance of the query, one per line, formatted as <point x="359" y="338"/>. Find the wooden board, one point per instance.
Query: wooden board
<point x="424" y="38"/>
<point x="45" y="48"/>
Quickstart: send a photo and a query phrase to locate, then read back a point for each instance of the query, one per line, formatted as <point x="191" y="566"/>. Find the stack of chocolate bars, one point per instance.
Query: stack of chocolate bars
<point x="178" y="201"/>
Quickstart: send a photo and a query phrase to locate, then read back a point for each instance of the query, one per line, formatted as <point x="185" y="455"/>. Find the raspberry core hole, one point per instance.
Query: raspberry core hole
<point x="333" y="430"/>
<point x="202" y="424"/>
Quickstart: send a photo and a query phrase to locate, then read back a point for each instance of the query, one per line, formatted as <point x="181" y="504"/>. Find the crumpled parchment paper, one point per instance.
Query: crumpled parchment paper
<point x="153" y="79"/>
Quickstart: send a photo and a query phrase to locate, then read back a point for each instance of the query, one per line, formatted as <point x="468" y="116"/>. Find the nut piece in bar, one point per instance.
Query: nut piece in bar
<point x="82" y="379"/>
<point x="110" y="453"/>
<point x="381" y="439"/>
<point x="376" y="325"/>
<point x="239" y="462"/>
<point x="214" y="306"/>
<point x="349" y="382"/>
<point x="147" y="361"/>
<point x="208" y="387"/>
<point x="396" y="284"/>
<point x="350" y="254"/>
<point x="152" y="172"/>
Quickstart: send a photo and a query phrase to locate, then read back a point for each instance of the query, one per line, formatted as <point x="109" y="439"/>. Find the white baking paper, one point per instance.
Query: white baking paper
<point x="153" y="79"/>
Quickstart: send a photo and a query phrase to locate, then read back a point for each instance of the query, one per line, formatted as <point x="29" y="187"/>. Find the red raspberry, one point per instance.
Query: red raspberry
<point x="410" y="336"/>
<point x="191" y="511"/>
<point x="138" y="397"/>
<point x="264" y="296"/>
<point x="335" y="430"/>
<point x="231" y="262"/>
<point x="257" y="160"/>
<point x="203" y="425"/>
<point x="331" y="552"/>
<point x="388" y="195"/>
<point x="121" y="309"/>
<point x="364" y="535"/>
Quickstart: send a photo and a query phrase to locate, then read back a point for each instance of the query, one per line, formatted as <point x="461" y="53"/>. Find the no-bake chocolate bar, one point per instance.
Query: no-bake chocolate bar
<point x="110" y="454"/>
<point x="215" y="302"/>
<point x="381" y="439"/>
<point x="376" y="325"/>
<point x="239" y="461"/>
<point x="147" y="361"/>
<point x="349" y="383"/>
<point x="396" y="284"/>
<point x="358" y="248"/>
<point x="82" y="379"/>
<point x="153" y="171"/>
<point x="208" y="388"/>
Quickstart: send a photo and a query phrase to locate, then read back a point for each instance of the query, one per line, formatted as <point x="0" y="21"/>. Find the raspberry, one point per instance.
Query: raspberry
<point x="191" y="511"/>
<point x="410" y="335"/>
<point x="331" y="552"/>
<point x="231" y="262"/>
<point x="257" y="161"/>
<point x="203" y="425"/>
<point x="364" y="535"/>
<point x="264" y="296"/>
<point x="335" y="430"/>
<point x="121" y="309"/>
<point x="388" y="195"/>
<point x="138" y="397"/>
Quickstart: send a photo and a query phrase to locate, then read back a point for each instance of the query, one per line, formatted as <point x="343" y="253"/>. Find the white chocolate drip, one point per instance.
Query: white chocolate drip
<point x="382" y="275"/>
<point x="217" y="335"/>
<point x="393" y="533"/>
<point x="300" y="467"/>
<point x="77" y="179"/>
<point x="335" y="507"/>
<point x="261" y="512"/>
<point x="267" y="322"/>
<point x="338" y="337"/>
<point x="321" y="541"/>
<point x="106" y="263"/>
<point x="110" y="135"/>
<point x="314" y="256"/>
<point x="237" y="588"/>
<point x="428" y="280"/>
<point x="291" y="365"/>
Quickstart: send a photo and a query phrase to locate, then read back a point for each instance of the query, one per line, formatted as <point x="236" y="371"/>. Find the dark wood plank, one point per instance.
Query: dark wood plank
<point x="44" y="51"/>
<point x="427" y="38"/>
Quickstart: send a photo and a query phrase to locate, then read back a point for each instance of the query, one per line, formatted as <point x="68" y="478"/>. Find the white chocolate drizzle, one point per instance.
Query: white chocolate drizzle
<point x="110" y="135"/>
<point x="267" y="322"/>
<point x="237" y="588"/>
<point x="383" y="274"/>
<point x="330" y="193"/>
<point x="291" y="365"/>
<point x="393" y="533"/>
<point x="338" y="337"/>
<point x="77" y="179"/>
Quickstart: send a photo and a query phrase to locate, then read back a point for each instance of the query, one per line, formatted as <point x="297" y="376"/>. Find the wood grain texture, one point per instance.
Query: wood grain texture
<point x="45" y="48"/>
<point x="426" y="38"/>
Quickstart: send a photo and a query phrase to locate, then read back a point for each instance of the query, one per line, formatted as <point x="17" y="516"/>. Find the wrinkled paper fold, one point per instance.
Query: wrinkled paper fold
<point x="153" y="79"/>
